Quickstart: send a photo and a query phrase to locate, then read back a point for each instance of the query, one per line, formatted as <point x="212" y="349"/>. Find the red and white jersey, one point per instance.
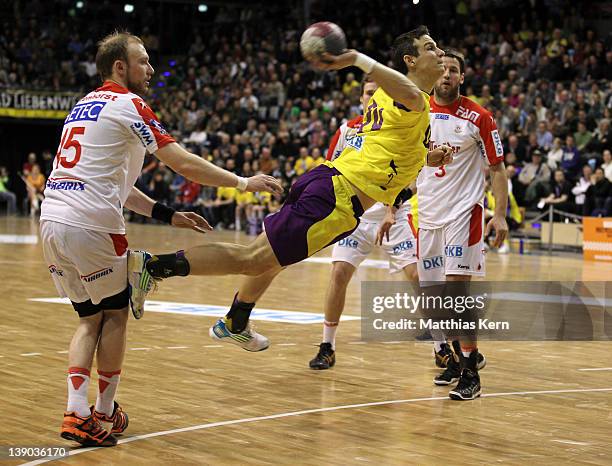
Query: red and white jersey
<point x="447" y="192"/>
<point x="345" y="133"/>
<point x="99" y="158"/>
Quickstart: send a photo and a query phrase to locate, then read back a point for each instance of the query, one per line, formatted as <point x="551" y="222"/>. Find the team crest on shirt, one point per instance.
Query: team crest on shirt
<point x="458" y="129"/>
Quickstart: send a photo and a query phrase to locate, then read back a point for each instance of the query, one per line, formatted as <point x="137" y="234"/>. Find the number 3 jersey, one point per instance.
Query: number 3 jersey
<point x="100" y="156"/>
<point x="445" y="193"/>
<point x="389" y="149"/>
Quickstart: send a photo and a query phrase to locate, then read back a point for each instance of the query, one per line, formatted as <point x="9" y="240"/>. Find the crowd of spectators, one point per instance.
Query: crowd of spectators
<point x="244" y="99"/>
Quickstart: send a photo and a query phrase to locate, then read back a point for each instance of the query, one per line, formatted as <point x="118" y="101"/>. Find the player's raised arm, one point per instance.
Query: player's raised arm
<point x="399" y="87"/>
<point x="415" y="55"/>
<point x="203" y="172"/>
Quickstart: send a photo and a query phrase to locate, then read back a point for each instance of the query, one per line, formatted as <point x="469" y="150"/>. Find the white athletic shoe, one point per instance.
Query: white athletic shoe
<point x="140" y="281"/>
<point x="248" y="339"/>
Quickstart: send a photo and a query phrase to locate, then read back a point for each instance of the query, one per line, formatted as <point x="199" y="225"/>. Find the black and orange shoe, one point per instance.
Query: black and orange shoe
<point x="86" y="430"/>
<point x="325" y="358"/>
<point x="119" y="418"/>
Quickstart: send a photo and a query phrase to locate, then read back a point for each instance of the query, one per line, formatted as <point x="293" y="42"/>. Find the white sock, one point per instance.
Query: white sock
<point x="466" y="354"/>
<point x="78" y="383"/>
<point x="329" y="333"/>
<point x="107" y="387"/>
<point x="438" y="345"/>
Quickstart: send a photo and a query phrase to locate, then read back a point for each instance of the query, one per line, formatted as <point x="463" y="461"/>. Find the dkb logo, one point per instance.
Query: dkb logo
<point x="432" y="262"/>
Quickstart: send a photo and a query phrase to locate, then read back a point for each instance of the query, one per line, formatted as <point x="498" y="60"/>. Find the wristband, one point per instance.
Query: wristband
<point x="402" y="197"/>
<point x="365" y="63"/>
<point x="162" y="212"/>
<point x="242" y="183"/>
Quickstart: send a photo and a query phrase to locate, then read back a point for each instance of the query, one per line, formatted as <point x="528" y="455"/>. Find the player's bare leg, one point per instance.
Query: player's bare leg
<point x="256" y="260"/>
<point x="410" y="271"/>
<point x="341" y="275"/>
<point x="111" y="351"/>
<point x="79" y="423"/>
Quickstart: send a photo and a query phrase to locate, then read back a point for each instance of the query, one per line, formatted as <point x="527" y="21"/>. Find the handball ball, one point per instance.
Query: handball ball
<point x="322" y="37"/>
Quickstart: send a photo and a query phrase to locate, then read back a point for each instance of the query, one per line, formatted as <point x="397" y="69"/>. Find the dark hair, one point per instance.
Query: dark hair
<point x="457" y="55"/>
<point x="404" y="45"/>
<point x="366" y="79"/>
<point x="112" y="48"/>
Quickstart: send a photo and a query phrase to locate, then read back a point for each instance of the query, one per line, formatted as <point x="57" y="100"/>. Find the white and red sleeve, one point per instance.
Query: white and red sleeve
<point x="491" y="141"/>
<point x="333" y="144"/>
<point x="145" y="125"/>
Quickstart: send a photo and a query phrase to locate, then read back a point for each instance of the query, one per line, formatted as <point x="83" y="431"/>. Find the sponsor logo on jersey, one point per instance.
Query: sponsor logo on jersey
<point x="158" y="126"/>
<point x="65" y="184"/>
<point x="403" y="246"/>
<point x="468" y="114"/>
<point x="53" y="269"/>
<point x="95" y="275"/>
<point x="142" y="130"/>
<point x="356" y="142"/>
<point x="348" y="243"/>
<point x="499" y="149"/>
<point x="433" y="262"/>
<point x="89" y="111"/>
<point x="453" y="251"/>
<point x="464" y="267"/>
<point x="442" y="116"/>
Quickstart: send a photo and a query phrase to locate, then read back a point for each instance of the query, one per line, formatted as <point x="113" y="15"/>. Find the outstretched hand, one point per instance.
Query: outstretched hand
<point x="190" y="220"/>
<point x="265" y="183"/>
<point x="327" y="61"/>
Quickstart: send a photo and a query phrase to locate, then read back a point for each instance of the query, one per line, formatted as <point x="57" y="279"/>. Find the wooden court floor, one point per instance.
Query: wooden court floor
<point x="192" y="401"/>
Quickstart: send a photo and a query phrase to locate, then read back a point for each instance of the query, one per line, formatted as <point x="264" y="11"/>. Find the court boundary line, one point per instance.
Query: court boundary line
<point x="309" y="411"/>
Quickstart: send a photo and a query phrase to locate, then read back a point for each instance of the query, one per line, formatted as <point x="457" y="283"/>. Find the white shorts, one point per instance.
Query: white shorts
<point x="401" y="247"/>
<point x="454" y="249"/>
<point x="85" y="264"/>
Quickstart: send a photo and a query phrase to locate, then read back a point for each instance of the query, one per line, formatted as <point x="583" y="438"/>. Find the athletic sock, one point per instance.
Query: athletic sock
<point x="78" y="383"/>
<point x="168" y="265"/>
<point x="329" y="333"/>
<point x="238" y="315"/>
<point x="107" y="388"/>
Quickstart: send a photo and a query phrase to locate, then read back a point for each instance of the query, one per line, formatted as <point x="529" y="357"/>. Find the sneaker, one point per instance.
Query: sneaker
<point x="140" y="282"/>
<point x="468" y="387"/>
<point x="504" y="248"/>
<point x="325" y="358"/>
<point x="119" y="418"/>
<point x="452" y="372"/>
<point x="441" y="357"/>
<point x="481" y="362"/>
<point x="86" y="430"/>
<point x="248" y="339"/>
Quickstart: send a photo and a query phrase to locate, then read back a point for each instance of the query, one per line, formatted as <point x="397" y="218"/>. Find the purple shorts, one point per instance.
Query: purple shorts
<point x="321" y="209"/>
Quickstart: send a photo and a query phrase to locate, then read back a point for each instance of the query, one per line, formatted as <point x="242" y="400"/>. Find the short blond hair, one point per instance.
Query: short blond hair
<point x="112" y="48"/>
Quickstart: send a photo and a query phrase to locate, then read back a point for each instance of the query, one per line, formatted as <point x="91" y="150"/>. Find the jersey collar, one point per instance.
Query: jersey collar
<point x="112" y="86"/>
<point x="451" y="108"/>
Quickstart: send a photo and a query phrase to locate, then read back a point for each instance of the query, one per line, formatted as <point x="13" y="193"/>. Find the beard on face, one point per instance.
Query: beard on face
<point x="137" y="87"/>
<point x="447" y="93"/>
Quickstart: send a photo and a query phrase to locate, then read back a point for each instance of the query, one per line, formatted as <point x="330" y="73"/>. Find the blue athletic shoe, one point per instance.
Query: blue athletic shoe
<point x="140" y="282"/>
<point x="248" y="339"/>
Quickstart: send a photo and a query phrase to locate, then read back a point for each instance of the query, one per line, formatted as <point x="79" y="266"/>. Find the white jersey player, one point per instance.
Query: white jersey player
<point x="451" y="222"/>
<point x="349" y="253"/>
<point x="100" y="155"/>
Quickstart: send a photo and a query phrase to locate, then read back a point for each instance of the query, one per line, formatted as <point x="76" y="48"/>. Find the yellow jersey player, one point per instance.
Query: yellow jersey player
<point x="324" y="205"/>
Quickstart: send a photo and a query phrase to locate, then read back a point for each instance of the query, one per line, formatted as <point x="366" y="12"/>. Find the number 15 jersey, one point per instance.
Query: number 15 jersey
<point x="389" y="149"/>
<point x="100" y="156"/>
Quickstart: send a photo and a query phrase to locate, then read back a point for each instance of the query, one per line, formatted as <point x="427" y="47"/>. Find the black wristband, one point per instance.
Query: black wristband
<point x="162" y="212"/>
<point x="402" y="197"/>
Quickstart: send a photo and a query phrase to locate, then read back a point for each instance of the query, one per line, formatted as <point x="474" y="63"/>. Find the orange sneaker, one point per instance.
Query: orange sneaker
<point x="86" y="430"/>
<point x="119" y="418"/>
